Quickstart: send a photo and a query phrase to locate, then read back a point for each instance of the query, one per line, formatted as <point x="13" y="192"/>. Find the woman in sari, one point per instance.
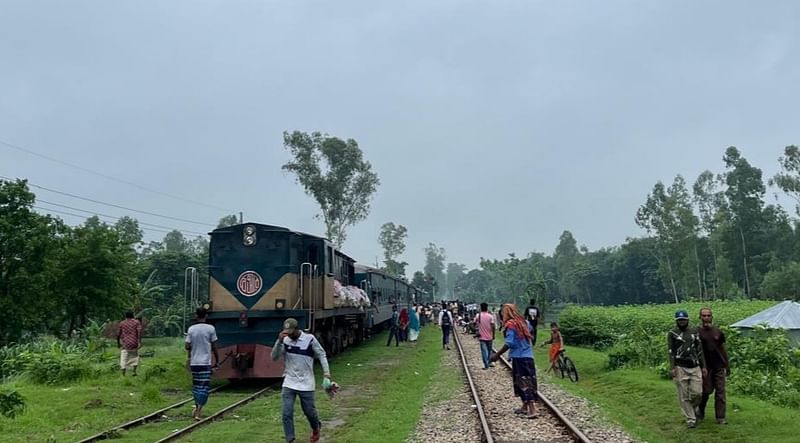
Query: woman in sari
<point x="413" y="325"/>
<point x="518" y="340"/>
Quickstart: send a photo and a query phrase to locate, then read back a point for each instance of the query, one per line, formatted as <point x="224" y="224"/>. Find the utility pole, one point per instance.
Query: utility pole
<point x="241" y="217"/>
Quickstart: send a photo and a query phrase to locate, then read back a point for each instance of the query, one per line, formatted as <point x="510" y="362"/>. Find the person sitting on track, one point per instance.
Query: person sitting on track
<point x="299" y="350"/>
<point x="518" y="340"/>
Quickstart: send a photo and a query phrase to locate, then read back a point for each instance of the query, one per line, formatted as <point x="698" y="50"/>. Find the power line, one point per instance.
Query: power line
<point x="113" y="205"/>
<point x="49" y="210"/>
<point x="106" y="176"/>
<point x="118" y="218"/>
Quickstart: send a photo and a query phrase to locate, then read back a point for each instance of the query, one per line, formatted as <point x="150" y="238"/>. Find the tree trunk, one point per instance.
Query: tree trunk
<point x="744" y="260"/>
<point x="715" y="282"/>
<point x="699" y="280"/>
<point x="672" y="280"/>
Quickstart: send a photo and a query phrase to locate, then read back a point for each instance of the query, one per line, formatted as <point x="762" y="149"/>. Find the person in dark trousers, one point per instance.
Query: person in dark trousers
<point x="713" y="341"/>
<point x="129" y="340"/>
<point x="532" y="315"/>
<point x="446" y="323"/>
<point x="518" y="340"/>
<point x="394" y="327"/>
<point x="688" y="365"/>
<point x="201" y="342"/>
<point x="299" y="350"/>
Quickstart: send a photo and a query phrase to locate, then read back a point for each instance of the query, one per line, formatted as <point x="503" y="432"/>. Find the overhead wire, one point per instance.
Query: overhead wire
<point x="56" y="211"/>
<point x="168" y="228"/>
<point x="113" y="205"/>
<point x="109" y="177"/>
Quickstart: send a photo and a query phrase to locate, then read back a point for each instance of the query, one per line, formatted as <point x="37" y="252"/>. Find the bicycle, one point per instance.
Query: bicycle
<point x="566" y="366"/>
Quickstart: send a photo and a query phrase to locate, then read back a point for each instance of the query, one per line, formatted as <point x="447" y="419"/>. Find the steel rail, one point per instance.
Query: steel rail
<point x="580" y="436"/>
<point x="181" y="432"/>
<point x="108" y="433"/>
<point x="487" y="432"/>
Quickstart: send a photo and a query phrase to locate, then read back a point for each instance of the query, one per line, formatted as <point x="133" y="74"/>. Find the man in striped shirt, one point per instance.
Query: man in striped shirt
<point x="299" y="350"/>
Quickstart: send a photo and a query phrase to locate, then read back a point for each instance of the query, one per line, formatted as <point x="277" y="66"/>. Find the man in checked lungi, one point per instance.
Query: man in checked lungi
<point x="129" y="340"/>
<point x="201" y="342"/>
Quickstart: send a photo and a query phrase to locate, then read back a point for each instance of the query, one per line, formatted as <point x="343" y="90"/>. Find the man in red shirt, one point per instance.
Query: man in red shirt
<point x="486" y="326"/>
<point x="713" y="341"/>
<point x="129" y="339"/>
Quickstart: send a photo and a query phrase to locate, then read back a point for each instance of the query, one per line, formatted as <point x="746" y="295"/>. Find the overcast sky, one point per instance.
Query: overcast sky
<point x="493" y="126"/>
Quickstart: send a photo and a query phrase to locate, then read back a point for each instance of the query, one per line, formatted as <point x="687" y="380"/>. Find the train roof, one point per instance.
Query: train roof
<point x="262" y="226"/>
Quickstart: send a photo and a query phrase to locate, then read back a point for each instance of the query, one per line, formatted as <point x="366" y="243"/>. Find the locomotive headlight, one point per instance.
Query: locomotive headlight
<point x="249" y="238"/>
<point x="280" y="303"/>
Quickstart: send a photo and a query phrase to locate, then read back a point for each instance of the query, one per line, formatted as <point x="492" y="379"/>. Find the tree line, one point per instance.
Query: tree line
<point x="714" y="239"/>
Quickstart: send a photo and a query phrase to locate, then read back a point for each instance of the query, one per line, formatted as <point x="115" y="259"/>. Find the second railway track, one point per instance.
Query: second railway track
<point x="114" y="432"/>
<point x="494" y="401"/>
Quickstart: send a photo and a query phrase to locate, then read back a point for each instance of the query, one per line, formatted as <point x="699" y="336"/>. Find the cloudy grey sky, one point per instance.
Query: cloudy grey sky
<point x="493" y="126"/>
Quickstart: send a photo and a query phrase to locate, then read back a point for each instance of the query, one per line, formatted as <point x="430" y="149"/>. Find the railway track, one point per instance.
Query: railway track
<point x="493" y="398"/>
<point x="156" y="415"/>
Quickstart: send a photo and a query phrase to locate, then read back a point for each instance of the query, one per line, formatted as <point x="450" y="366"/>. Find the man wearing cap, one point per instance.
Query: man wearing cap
<point x="688" y="365"/>
<point x="299" y="350"/>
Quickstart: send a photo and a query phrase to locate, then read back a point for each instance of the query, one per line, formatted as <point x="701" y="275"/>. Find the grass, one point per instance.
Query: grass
<point x="383" y="389"/>
<point x="647" y="406"/>
<point x="382" y="396"/>
<point x="77" y="410"/>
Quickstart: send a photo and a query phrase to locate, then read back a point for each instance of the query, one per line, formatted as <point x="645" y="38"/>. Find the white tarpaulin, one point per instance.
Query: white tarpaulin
<point x="784" y="315"/>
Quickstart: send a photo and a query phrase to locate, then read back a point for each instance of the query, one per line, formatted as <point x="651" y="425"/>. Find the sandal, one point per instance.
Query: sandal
<point x="530" y="417"/>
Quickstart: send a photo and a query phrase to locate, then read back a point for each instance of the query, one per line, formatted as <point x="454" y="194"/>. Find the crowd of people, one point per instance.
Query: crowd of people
<point x="698" y="359"/>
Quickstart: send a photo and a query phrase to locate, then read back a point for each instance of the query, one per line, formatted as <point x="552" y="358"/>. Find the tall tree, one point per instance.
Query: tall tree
<point x="393" y="240"/>
<point x="668" y="214"/>
<point x="30" y="246"/>
<point x="745" y="200"/>
<point x="434" y="265"/>
<point x="565" y="256"/>
<point x="455" y="271"/>
<point x="334" y="173"/>
<point x="788" y="180"/>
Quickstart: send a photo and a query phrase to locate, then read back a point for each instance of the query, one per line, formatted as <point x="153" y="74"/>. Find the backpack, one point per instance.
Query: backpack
<point x="446" y="319"/>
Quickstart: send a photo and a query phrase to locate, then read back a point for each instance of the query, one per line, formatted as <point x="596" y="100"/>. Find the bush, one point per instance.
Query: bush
<point x="51" y="368"/>
<point x="763" y="365"/>
<point x="11" y="404"/>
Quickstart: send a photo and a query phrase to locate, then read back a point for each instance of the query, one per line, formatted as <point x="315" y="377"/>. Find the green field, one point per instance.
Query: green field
<point x="383" y="389"/>
<point x="647" y="405"/>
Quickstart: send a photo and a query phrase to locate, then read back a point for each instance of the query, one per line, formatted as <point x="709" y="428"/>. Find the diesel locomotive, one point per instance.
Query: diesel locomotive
<point x="259" y="275"/>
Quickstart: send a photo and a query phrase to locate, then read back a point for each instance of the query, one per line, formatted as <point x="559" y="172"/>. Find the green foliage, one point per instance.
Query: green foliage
<point x="392" y="239"/>
<point x="334" y="172"/>
<point x="154" y="371"/>
<point x="151" y="394"/>
<point x="763" y="366"/>
<point x="11" y="404"/>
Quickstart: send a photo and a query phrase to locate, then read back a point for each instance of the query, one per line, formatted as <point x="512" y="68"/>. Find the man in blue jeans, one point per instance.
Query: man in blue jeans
<point x="299" y="350"/>
<point x="486" y="326"/>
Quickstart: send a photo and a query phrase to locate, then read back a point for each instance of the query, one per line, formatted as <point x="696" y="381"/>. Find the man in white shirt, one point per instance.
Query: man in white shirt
<point x="446" y="323"/>
<point x="201" y="341"/>
<point x="299" y="350"/>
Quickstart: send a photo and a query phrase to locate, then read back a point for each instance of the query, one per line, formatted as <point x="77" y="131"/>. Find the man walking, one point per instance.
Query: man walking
<point x="299" y="350"/>
<point x="201" y="342"/>
<point x="394" y="328"/>
<point x="688" y="365"/>
<point x="129" y="340"/>
<point x="713" y="341"/>
<point x="486" y="326"/>
<point x="446" y="323"/>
